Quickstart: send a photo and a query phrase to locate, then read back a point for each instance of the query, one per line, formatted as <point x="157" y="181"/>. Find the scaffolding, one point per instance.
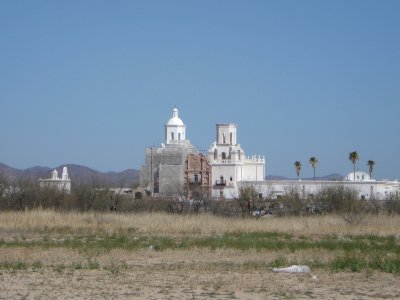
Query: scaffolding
<point x="163" y="171"/>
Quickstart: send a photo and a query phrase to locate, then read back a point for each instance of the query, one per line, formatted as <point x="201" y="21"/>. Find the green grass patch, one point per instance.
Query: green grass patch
<point x="350" y="253"/>
<point x="240" y="241"/>
<point x="352" y="263"/>
<point x="18" y="265"/>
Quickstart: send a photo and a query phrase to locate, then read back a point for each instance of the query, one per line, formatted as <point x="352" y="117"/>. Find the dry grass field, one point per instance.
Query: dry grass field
<point x="60" y="255"/>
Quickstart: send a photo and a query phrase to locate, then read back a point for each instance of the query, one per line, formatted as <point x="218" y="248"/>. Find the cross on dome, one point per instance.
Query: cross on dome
<point x="175" y="120"/>
<point x="175" y="112"/>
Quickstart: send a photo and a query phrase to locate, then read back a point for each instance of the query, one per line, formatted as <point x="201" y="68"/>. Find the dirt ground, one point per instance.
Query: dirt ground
<point x="198" y="274"/>
<point x="185" y="284"/>
<point x="30" y="268"/>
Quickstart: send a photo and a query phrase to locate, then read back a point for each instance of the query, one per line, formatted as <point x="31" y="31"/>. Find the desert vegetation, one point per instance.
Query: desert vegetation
<point x="164" y="248"/>
<point x="94" y="196"/>
<point x="201" y="255"/>
<point x="376" y="237"/>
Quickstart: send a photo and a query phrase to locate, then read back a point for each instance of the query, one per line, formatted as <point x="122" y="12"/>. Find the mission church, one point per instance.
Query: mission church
<point x="177" y="168"/>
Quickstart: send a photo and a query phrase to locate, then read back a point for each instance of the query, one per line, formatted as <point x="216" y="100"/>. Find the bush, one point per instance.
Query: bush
<point x="338" y="199"/>
<point x="27" y="194"/>
<point x="392" y="205"/>
<point x="93" y="196"/>
<point x="249" y="199"/>
<point x="291" y="203"/>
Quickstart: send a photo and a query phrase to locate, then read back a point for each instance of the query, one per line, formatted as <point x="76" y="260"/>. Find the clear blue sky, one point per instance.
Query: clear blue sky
<point x="93" y="82"/>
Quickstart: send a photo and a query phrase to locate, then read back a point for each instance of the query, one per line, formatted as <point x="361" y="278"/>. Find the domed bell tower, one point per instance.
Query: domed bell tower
<point x="175" y="129"/>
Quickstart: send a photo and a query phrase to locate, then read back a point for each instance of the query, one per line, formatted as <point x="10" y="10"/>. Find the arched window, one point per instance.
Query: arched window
<point x="230" y="137"/>
<point x="196" y="177"/>
<point x="240" y="154"/>
<point x="223" y="155"/>
<point x="179" y="136"/>
<point x="215" y="154"/>
<point x="172" y="136"/>
<point x="223" y="138"/>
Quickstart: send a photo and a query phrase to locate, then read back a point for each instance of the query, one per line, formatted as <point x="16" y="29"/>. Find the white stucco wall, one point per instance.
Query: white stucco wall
<point x="225" y="170"/>
<point x="379" y="190"/>
<point x="253" y="170"/>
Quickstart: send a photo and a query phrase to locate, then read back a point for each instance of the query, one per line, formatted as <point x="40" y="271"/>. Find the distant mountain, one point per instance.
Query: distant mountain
<point x="77" y="173"/>
<point x="333" y="177"/>
<point x="82" y="174"/>
<point x="9" y="173"/>
<point x="330" y="177"/>
<point x="36" y="172"/>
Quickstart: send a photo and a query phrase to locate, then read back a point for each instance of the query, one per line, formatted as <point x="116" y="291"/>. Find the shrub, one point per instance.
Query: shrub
<point x="338" y="199"/>
<point x="291" y="203"/>
<point x="248" y="199"/>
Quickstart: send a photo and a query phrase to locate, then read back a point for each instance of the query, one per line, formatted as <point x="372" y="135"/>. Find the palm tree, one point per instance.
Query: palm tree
<point x="297" y="166"/>
<point x="371" y="165"/>
<point x="313" y="161"/>
<point x="353" y="156"/>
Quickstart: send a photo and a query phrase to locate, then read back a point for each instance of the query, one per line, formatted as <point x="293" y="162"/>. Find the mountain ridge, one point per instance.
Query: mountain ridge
<point x="85" y="175"/>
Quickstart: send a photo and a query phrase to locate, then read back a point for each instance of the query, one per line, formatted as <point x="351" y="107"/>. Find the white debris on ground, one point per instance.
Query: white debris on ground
<point x="292" y="269"/>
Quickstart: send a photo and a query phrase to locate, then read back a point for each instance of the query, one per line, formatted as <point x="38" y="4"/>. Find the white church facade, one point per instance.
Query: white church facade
<point x="162" y="174"/>
<point x="230" y="165"/>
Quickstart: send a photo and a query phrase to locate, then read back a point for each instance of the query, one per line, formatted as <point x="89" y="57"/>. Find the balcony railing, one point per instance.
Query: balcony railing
<point x="220" y="182"/>
<point x="194" y="182"/>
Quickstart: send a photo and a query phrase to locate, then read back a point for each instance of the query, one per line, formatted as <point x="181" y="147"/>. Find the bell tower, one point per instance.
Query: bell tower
<point x="226" y="134"/>
<point x="175" y="129"/>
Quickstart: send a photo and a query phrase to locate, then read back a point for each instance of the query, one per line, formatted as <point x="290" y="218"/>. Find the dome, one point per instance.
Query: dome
<point x="359" y="176"/>
<point x="175" y="120"/>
